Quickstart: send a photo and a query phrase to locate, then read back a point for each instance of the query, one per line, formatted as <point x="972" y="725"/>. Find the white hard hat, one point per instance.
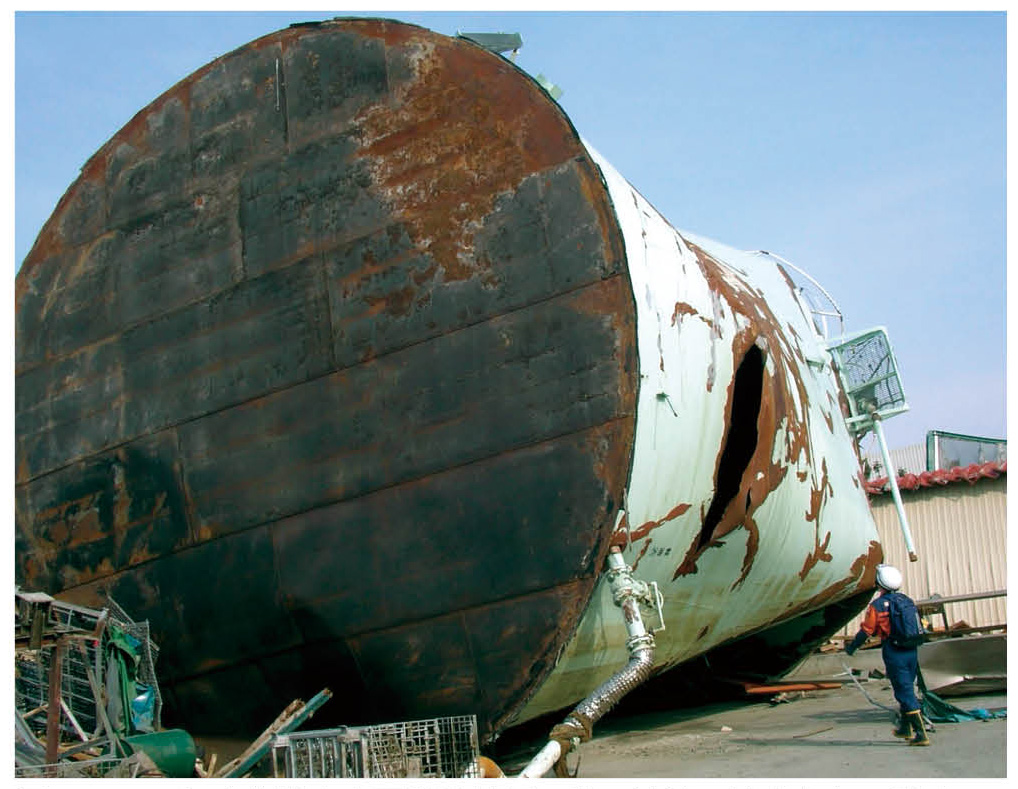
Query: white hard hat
<point x="888" y="577"/>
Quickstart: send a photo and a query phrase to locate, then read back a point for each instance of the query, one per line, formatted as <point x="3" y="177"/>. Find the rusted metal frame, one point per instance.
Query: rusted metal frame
<point x="53" y="708"/>
<point x="76" y="639"/>
<point x="56" y="645"/>
<point x="56" y="706"/>
<point x="23" y="643"/>
<point x="39" y="606"/>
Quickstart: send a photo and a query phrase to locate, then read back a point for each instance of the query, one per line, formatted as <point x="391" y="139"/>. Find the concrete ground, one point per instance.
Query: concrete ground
<point x="821" y="734"/>
<point x="817" y="734"/>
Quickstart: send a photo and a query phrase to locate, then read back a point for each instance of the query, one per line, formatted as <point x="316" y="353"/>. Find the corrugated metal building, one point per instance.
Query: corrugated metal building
<point x="910" y="460"/>
<point x="958" y="521"/>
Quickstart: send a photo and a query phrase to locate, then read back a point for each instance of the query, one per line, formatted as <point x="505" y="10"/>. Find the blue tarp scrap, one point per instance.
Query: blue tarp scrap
<point x="940" y="711"/>
<point x="143" y="707"/>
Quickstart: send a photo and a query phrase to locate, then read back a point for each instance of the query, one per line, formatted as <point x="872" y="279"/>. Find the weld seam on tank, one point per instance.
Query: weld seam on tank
<point x="578" y="724"/>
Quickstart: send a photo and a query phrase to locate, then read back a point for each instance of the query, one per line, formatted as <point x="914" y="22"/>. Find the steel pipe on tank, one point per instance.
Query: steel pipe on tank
<point x="577" y="726"/>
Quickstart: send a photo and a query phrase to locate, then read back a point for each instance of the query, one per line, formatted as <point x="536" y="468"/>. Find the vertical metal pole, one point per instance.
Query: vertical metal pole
<point x="892" y="479"/>
<point x="53" y="708"/>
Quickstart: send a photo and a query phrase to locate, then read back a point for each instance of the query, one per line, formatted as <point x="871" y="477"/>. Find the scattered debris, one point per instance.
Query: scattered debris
<point x="137" y="765"/>
<point x="296" y="713"/>
<point x="87" y="704"/>
<point x="787" y="687"/>
<point x="811" y="733"/>
<point x="486" y="768"/>
<point x="971" y="664"/>
<point x="86" y="697"/>
<point x="205" y="771"/>
<point x="433" y="748"/>
<point x="937" y="709"/>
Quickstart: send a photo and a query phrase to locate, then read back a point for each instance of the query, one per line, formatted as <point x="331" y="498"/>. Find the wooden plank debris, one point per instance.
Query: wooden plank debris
<point x="296" y="713"/>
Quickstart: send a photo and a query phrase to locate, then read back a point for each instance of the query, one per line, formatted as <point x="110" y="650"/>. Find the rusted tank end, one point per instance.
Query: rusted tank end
<point x="326" y="366"/>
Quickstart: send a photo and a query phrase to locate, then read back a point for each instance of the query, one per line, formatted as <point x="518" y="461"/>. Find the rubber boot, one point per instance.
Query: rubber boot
<point x="916" y="719"/>
<point x="904" y="730"/>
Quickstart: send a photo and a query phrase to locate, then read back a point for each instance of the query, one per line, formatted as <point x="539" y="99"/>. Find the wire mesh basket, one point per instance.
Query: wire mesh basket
<point x="87" y="677"/>
<point x="869" y="371"/>
<point x="327" y="753"/>
<point x="433" y="748"/>
<point x="31" y="686"/>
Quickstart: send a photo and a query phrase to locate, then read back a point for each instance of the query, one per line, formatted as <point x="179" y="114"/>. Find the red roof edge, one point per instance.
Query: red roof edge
<point x="930" y="479"/>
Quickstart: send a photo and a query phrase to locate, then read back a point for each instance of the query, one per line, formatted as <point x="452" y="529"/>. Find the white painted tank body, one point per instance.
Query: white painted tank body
<point x="798" y="535"/>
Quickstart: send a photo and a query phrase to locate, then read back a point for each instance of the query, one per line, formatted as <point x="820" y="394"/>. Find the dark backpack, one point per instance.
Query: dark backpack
<point x="907" y="630"/>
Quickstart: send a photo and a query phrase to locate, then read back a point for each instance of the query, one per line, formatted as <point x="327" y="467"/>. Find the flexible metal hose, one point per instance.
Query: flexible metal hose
<point x="578" y="724"/>
<point x="607" y="695"/>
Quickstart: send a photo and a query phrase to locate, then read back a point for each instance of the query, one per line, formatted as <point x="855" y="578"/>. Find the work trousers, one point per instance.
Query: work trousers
<point x="902" y="665"/>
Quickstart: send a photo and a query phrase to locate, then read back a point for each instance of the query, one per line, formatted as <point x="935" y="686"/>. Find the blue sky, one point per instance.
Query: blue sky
<point x="866" y="148"/>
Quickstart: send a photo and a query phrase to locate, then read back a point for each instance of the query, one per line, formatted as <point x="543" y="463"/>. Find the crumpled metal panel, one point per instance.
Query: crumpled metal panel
<point x="326" y="366"/>
<point x="794" y="533"/>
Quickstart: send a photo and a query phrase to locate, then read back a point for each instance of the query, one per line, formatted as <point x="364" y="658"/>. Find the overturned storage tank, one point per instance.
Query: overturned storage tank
<point x="346" y="361"/>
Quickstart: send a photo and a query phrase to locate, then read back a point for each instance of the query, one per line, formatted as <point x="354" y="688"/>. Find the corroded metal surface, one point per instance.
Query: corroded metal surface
<point x="326" y="365"/>
<point x="744" y="502"/>
<point x="345" y="361"/>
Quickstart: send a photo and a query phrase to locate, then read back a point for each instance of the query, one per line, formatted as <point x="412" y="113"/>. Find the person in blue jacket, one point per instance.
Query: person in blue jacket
<point x="901" y="665"/>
